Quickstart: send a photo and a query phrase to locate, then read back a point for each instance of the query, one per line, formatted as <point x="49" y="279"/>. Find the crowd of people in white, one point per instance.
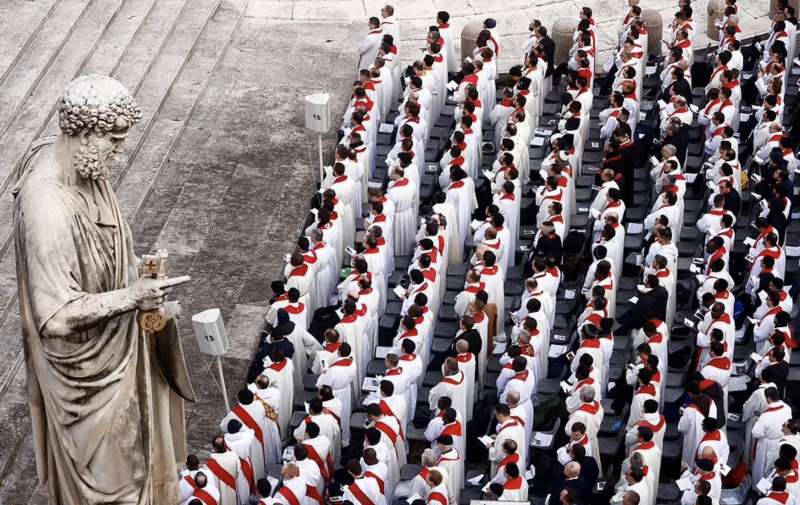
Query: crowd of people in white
<point x="370" y="226"/>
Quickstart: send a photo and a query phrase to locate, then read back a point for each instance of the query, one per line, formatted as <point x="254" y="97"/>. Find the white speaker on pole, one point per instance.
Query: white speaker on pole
<point x="318" y="119"/>
<point x="212" y="339"/>
<point x="318" y="112"/>
<point x="209" y="330"/>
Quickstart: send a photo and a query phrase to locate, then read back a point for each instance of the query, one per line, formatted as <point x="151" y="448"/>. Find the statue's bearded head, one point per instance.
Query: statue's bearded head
<point x="97" y="111"/>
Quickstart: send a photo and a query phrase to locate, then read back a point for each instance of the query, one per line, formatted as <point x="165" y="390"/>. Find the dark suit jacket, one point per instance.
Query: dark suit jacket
<point x="589" y="475"/>
<point x="549" y="48"/>
<point x="474" y="340"/>
<point x="560" y="484"/>
<point x="655" y="301"/>
<point x="733" y="202"/>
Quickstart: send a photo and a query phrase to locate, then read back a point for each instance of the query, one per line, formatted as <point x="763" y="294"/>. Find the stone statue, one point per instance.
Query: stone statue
<point x="106" y="397"/>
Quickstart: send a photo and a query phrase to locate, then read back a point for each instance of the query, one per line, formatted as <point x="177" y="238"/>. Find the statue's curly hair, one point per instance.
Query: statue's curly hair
<point x="98" y="103"/>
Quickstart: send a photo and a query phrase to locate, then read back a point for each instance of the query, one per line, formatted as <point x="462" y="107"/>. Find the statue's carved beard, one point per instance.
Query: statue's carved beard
<point x="88" y="164"/>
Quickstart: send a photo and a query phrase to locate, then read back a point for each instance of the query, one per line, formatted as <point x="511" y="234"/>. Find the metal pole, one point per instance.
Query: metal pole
<point x="222" y="383"/>
<point x="321" y="162"/>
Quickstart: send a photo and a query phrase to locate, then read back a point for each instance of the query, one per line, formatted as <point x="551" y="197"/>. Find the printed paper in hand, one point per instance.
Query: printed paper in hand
<point x="634" y="228"/>
<point x="565" y="386"/>
<point x="764" y="485"/>
<point x="542" y="439"/>
<point x="633" y="299"/>
<point x="684" y="484"/>
<point x="556" y="351"/>
<point x="595" y="213"/>
<point x="475" y="224"/>
<point x="350" y="250"/>
<point x="738" y="383"/>
<point x="374" y="184"/>
<point x="499" y="349"/>
<point x="756" y="357"/>
<point x="486" y="440"/>
<point x="370" y="384"/>
<point x="382" y="351"/>
<point x="694" y="269"/>
<point x="749" y="241"/>
<point x="476" y="481"/>
<point x="414" y="497"/>
<point x="386" y="128"/>
<point x="724" y="469"/>
<point x="400" y="291"/>
<point x="688" y="323"/>
<point x="701" y="278"/>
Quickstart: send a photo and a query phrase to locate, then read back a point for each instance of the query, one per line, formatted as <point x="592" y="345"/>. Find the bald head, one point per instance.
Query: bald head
<point x="572" y="470"/>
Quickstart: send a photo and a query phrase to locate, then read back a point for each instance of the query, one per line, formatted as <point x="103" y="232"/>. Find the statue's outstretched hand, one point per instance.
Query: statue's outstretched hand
<point x="149" y="293"/>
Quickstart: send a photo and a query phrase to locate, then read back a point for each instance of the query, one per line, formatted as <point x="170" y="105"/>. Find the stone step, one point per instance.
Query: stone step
<point x="114" y="46"/>
<point x="20" y="22"/>
<point x="35" y="60"/>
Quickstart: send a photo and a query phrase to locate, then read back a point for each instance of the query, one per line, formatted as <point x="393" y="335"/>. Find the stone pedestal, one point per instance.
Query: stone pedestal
<point x="561" y="33"/>
<point x="469" y="35"/>
<point x="715" y="10"/>
<point x="655" y="28"/>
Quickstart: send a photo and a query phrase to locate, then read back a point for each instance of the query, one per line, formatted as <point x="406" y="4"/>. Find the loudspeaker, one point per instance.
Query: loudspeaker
<point x="318" y="112"/>
<point x="209" y="330"/>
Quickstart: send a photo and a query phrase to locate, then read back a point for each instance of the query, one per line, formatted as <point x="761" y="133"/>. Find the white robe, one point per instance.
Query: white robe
<point x="245" y="445"/>
<point x="281" y="375"/>
<point x="767" y="432"/>
<point x="229" y="462"/>
<point x="341" y="377"/>
<point x="466" y="363"/>
<point x="455" y="388"/>
<point x="509" y="430"/>
<point x="461" y="195"/>
<point x="271" y="396"/>
<point x="406" y="199"/>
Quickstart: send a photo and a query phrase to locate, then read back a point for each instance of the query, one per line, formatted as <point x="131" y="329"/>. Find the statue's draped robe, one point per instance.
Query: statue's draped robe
<point x="103" y="402"/>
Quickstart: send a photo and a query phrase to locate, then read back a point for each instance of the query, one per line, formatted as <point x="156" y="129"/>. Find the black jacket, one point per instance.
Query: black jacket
<point x="474" y="340"/>
<point x="549" y="48"/>
<point x="654" y="300"/>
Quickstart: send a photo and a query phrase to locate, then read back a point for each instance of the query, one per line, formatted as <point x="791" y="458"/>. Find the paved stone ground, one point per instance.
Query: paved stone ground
<point x="219" y="170"/>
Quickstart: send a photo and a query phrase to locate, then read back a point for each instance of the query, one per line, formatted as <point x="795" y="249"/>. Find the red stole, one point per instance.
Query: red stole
<point x="360" y="495"/>
<point x="316" y="458"/>
<point x="248" y="421"/>
<point x="204" y="497"/>
<point x="222" y="474"/>
<point x="289" y="495"/>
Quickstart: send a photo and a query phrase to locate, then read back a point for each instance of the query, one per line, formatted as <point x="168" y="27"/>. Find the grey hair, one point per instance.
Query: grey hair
<point x="587" y="393"/>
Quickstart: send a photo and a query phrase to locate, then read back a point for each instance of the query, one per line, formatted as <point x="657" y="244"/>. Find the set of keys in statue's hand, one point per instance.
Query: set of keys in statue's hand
<point x="151" y="290"/>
